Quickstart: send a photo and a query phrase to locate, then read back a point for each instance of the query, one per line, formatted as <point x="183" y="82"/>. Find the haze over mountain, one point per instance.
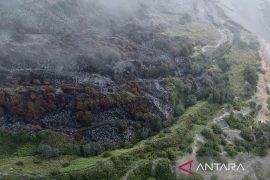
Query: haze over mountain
<point x="251" y="14"/>
<point x="131" y="89"/>
<point x="54" y="34"/>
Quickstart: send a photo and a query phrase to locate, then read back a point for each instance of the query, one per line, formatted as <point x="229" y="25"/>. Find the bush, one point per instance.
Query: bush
<point x="195" y="69"/>
<point x="55" y="172"/>
<point x="180" y="86"/>
<point x="247" y="134"/>
<point x="106" y="154"/>
<point x="251" y="76"/>
<point x="231" y="150"/>
<point x="92" y="149"/>
<point x="223" y="64"/>
<point x="252" y="105"/>
<point x="19" y="163"/>
<point x="155" y="123"/>
<point x="163" y="170"/>
<point x="210" y="149"/>
<point x="239" y="121"/>
<point x="216" y="129"/>
<point x="47" y="152"/>
<point x="144" y="133"/>
<point x="180" y="109"/>
<point x="171" y="155"/>
<point x="191" y="100"/>
<point x="207" y="134"/>
<point x="65" y="165"/>
<point x="243" y="144"/>
<point x="71" y="149"/>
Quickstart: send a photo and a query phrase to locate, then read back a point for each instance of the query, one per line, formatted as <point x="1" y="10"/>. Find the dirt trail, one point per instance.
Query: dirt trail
<point x="261" y="95"/>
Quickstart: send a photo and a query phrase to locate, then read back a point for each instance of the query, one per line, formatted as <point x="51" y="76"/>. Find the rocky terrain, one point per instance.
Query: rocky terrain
<point x="130" y="89"/>
<point x="101" y="82"/>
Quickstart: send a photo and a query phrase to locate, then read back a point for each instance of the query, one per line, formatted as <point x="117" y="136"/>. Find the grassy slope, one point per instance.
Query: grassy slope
<point x="140" y="153"/>
<point x="80" y="165"/>
<point x="240" y="59"/>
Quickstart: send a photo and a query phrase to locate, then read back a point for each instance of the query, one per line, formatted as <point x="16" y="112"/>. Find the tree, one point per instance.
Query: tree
<point x="180" y="85"/>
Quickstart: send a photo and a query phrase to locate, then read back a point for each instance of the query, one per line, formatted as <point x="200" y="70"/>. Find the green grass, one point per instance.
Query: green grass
<point x="145" y="151"/>
<point x="29" y="167"/>
<point x="239" y="60"/>
<point x="81" y="163"/>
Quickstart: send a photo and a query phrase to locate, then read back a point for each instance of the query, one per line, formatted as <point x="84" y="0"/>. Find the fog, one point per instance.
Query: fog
<point x="56" y="34"/>
<point x="251" y="14"/>
<point x="53" y="34"/>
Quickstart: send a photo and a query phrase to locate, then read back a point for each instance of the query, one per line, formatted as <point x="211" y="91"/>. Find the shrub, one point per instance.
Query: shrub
<point x="65" y="164"/>
<point x="233" y="122"/>
<point x="48" y="152"/>
<point x="247" y="134"/>
<point x="163" y="170"/>
<point x="191" y="100"/>
<point x="251" y="76"/>
<point x="222" y="141"/>
<point x="54" y="172"/>
<point x="71" y="149"/>
<point x="180" y="109"/>
<point x="92" y="149"/>
<point x="171" y="155"/>
<point x="210" y="149"/>
<point x="231" y="150"/>
<point x="180" y="86"/>
<point x="106" y="154"/>
<point x="236" y="105"/>
<point x="155" y="122"/>
<point x="242" y="143"/>
<point x="144" y="133"/>
<point x="216" y="129"/>
<point x="19" y="163"/>
<point x="207" y="134"/>
<point x="223" y="64"/>
<point x="252" y="105"/>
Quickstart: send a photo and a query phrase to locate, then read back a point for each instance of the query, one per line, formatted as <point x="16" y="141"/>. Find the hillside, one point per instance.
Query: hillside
<point x="124" y="90"/>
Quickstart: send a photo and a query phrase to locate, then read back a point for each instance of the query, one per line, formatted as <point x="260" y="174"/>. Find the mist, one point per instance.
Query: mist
<point x="54" y="34"/>
<point x="251" y="14"/>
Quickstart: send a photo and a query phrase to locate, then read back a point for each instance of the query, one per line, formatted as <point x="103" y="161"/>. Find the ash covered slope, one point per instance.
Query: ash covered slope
<point x="55" y="34"/>
<point x="96" y="68"/>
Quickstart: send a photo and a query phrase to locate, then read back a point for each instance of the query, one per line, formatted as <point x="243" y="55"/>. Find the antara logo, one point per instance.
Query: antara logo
<point x="190" y="163"/>
<point x="187" y="167"/>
